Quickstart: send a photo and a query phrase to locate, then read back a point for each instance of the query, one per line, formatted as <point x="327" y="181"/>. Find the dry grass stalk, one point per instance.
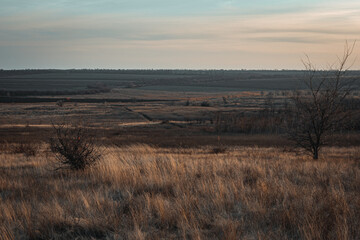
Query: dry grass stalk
<point x="140" y="192"/>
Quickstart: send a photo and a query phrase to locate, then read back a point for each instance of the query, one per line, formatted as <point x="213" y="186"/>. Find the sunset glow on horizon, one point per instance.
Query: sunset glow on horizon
<point x="185" y="34"/>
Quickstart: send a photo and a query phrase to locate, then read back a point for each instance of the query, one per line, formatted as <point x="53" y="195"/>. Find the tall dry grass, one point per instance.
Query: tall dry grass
<point x="140" y="192"/>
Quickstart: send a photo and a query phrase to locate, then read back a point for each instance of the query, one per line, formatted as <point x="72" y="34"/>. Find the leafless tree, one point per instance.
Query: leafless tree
<point x="318" y="110"/>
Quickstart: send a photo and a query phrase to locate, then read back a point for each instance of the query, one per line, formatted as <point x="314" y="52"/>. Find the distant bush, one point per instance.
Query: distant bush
<point x="74" y="147"/>
<point x="28" y="149"/>
<point x="205" y="104"/>
<point x="60" y="103"/>
<point x="225" y="100"/>
<point x="257" y="122"/>
<point x="217" y="150"/>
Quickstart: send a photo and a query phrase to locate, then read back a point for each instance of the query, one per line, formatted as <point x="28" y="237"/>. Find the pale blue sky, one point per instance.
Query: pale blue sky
<point x="193" y="34"/>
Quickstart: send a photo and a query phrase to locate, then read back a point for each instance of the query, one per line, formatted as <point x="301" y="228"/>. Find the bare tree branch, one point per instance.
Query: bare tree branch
<point x="316" y="115"/>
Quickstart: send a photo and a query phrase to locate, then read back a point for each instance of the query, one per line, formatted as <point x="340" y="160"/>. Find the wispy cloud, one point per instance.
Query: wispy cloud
<point x="87" y="32"/>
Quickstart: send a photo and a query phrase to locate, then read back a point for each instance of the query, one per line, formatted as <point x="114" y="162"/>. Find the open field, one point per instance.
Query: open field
<point x="175" y="80"/>
<point x="181" y="119"/>
<point x="179" y="107"/>
<point x="162" y="175"/>
<point x="61" y="82"/>
<point x="140" y="192"/>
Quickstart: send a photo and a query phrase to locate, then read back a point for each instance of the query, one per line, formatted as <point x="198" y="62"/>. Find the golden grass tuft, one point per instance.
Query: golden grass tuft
<point x="140" y="192"/>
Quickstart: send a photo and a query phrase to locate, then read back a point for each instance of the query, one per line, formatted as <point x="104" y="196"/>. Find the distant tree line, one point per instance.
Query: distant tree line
<point x="19" y="93"/>
<point x="258" y="73"/>
<point x="91" y="89"/>
<point x="275" y="118"/>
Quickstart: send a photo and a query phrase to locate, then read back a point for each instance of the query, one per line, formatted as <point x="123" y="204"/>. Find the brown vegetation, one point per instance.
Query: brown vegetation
<point x="139" y="192"/>
<point x="74" y="147"/>
<point x="203" y="177"/>
<point x="27" y="148"/>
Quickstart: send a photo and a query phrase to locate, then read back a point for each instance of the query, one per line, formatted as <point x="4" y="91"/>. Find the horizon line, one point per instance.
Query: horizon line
<point x="164" y="69"/>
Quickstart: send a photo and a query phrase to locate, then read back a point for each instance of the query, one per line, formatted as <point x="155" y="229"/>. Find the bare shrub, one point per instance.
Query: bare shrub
<point x="28" y="149"/>
<point x="74" y="147"/>
<point x="259" y="122"/>
<point x="60" y="103"/>
<point x="205" y="104"/>
<point x="225" y="100"/>
<point x="219" y="149"/>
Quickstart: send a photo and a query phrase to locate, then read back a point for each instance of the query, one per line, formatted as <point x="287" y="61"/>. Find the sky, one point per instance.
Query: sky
<point x="175" y="34"/>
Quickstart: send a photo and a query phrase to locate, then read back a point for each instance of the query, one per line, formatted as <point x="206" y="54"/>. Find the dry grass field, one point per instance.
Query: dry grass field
<point x="185" y="155"/>
<point x="140" y="192"/>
